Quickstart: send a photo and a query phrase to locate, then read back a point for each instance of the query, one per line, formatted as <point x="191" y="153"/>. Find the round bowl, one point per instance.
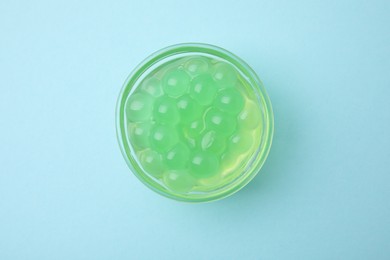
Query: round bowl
<point x="194" y="122"/>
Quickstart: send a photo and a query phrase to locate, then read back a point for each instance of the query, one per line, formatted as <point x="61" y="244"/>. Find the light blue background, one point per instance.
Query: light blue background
<point x="66" y="192"/>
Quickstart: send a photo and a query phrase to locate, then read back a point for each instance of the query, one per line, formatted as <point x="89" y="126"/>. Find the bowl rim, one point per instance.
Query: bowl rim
<point x="177" y="49"/>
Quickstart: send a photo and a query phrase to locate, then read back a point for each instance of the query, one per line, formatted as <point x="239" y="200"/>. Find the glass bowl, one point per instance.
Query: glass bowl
<point x="194" y="122"/>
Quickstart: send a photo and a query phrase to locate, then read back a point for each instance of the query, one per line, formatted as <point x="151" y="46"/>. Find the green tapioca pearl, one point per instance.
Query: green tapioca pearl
<point x="163" y="138"/>
<point x="213" y="142"/>
<point x="139" y="134"/>
<point x="197" y="65"/>
<point x="178" y="156"/>
<point x="225" y="75"/>
<point x="222" y="123"/>
<point x="139" y="107"/>
<point x="203" y="89"/>
<point x="176" y="83"/>
<point x="152" y="163"/>
<point x="250" y="116"/>
<point x="189" y="109"/>
<point x="229" y="162"/>
<point x="152" y="86"/>
<point x="204" y="164"/>
<point x="165" y="111"/>
<point x="178" y="181"/>
<point x="229" y="100"/>
<point x="240" y="142"/>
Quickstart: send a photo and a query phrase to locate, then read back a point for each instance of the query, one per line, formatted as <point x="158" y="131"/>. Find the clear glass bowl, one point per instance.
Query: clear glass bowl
<point x="194" y="122"/>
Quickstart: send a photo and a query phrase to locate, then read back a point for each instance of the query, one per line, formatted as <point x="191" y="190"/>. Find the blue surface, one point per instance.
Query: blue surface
<point x="66" y="192"/>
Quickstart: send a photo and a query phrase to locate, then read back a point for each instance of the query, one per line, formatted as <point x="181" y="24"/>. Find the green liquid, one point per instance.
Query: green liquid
<point x="193" y="124"/>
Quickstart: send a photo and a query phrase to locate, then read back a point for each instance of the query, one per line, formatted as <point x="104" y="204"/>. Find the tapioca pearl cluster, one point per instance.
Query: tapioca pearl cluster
<point x="189" y="116"/>
<point x="139" y="106"/>
<point x="240" y="147"/>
